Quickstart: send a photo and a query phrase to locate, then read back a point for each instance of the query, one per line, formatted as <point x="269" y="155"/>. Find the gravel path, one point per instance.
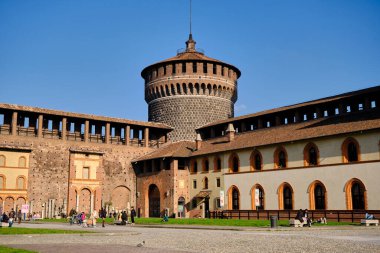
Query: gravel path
<point x="199" y="239"/>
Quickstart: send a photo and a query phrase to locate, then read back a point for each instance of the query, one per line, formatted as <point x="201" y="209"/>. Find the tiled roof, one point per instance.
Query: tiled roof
<point x="323" y="127"/>
<point x="176" y="149"/>
<point x="296" y="106"/>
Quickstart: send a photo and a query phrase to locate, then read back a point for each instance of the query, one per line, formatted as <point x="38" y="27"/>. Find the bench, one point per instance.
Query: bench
<point x="369" y="222"/>
<point x="296" y="223"/>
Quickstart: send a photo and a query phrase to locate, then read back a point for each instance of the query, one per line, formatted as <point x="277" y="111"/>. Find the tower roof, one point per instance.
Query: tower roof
<point x="190" y="54"/>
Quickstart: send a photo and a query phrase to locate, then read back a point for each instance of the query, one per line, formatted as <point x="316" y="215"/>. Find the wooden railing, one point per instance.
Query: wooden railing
<point x="330" y="215"/>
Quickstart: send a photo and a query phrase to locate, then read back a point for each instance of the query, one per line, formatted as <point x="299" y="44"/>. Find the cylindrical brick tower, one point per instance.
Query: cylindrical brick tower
<point x="190" y="90"/>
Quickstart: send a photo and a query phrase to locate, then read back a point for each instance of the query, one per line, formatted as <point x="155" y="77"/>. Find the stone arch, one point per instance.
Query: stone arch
<point x="9" y="203"/>
<point x="19" y="202"/>
<point x="167" y="91"/>
<point x="209" y="89"/>
<point x="179" y="91"/>
<point x="215" y="90"/>
<point x="261" y="197"/>
<point x="154" y="199"/>
<point x="203" y="87"/>
<point x="354" y="202"/>
<point x="184" y="88"/>
<point x="85" y="200"/>
<point x="121" y="197"/>
<point x="197" y="92"/>
<point x="285" y="197"/>
<point x="191" y="89"/>
<point x="173" y="90"/>
<point x="162" y="92"/>
<point x="233" y="198"/>
<point x="316" y="201"/>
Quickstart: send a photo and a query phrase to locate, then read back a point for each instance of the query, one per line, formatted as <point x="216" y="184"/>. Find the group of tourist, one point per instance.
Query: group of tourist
<point x="11" y="217"/>
<point x="81" y="217"/>
<point x="304" y="218"/>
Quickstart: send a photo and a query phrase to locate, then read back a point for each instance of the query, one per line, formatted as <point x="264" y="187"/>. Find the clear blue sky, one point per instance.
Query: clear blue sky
<point x="86" y="55"/>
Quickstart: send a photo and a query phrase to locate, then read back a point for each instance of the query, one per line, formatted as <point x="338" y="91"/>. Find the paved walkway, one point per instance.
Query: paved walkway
<point x="172" y="239"/>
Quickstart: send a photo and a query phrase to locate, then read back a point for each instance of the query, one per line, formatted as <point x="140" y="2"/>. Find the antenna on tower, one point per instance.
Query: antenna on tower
<point x="190" y="17"/>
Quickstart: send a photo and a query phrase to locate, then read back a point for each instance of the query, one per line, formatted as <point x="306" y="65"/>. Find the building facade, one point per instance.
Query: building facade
<point x="193" y="156"/>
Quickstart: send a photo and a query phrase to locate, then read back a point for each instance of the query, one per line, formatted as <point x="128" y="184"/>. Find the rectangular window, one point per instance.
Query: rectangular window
<point x="194" y="203"/>
<point x="218" y="182"/>
<point x="86" y="173"/>
<point x="205" y="68"/>
<point x="194" y="184"/>
<point x="214" y="69"/>
<point x="174" y="68"/>
<point x="218" y="203"/>
<point x="184" y="67"/>
<point x="194" y="67"/>
<point x="222" y="71"/>
<point x="164" y="70"/>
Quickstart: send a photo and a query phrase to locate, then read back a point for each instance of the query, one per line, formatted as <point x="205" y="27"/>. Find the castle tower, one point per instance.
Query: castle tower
<point x="190" y="90"/>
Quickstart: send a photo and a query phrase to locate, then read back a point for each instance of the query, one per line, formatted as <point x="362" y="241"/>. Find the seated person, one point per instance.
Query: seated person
<point x="369" y="216"/>
<point x="299" y="215"/>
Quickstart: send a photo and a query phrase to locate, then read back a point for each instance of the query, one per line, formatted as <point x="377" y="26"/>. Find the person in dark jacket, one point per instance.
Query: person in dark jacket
<point x="103" y="215"/>
<point x="133" y="214"/>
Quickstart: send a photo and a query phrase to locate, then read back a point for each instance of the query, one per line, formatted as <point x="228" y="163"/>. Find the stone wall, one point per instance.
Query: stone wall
<point x="186" y="113"/>
<point x="49" y="168"/>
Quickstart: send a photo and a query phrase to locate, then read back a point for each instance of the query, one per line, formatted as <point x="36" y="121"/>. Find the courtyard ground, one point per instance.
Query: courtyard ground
<point x="191" y="238"/>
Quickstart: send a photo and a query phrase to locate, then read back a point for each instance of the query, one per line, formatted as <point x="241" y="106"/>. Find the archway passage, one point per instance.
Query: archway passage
<point x="85" y="201"/>
<point x="357" y="193"/>
<point x="154" y="201"/>
<point x="9" y="204"/>
<point x="121" y="197"/>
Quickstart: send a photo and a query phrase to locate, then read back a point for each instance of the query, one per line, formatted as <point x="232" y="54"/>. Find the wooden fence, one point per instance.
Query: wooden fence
<point x="330" y="215"/>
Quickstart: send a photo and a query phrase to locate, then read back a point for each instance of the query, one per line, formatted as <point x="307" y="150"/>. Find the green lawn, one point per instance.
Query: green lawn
<point x="16" y="231"/>
<point x="4" y="249"/>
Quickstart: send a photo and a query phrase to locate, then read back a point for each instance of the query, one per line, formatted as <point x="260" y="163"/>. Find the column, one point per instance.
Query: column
<point x="64" y="129"/>
<point x="146" y="137"/>
<point x="92" y="203"/>
<point x="40" y="124"/>
<point x="14" y="123"/>
<point x="127" y="133"/>
<point x="77" y="202"/>
<point x="31" y="203"/>
<point x="64" y="206"/>
<point x="86" y="130"/>
<point x="53" y="208"/>
<point x="108" y="127"/>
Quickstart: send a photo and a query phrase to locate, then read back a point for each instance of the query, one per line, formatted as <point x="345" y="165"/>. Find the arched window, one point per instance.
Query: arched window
<point x="355" y="195"/>
<point x="205" y="183"/>
<point x="280" y="158"/>
<point x="285" y="197"/>
<point x="317" y="196"/>
<point x="257" y="194"/>
<point x="217" y="164"/>
<point x="311" y="155"/>
<point x="234" y="163"/>
<point x="205" y="167"/>
<point x="2" y="182"/>
<point x="2" y="161"/>
<point x="20" y="183"/>
<point x="22" y="162"/>
<point x="234" y="198"/>
<point x="194" y="166"/>
<point x="256" y="160"/>
<point x="350" y="150"/>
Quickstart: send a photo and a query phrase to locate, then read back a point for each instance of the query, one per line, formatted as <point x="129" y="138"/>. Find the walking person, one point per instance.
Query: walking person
<point x="133" y="214"/>
<point x="103" y="215"/>
<point x="12" y="215"/>
<point x="19" y="216"/>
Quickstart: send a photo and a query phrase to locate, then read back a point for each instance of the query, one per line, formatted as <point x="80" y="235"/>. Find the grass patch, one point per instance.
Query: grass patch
<point x="4" y="249"/>
<point x="17" y="231"/>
